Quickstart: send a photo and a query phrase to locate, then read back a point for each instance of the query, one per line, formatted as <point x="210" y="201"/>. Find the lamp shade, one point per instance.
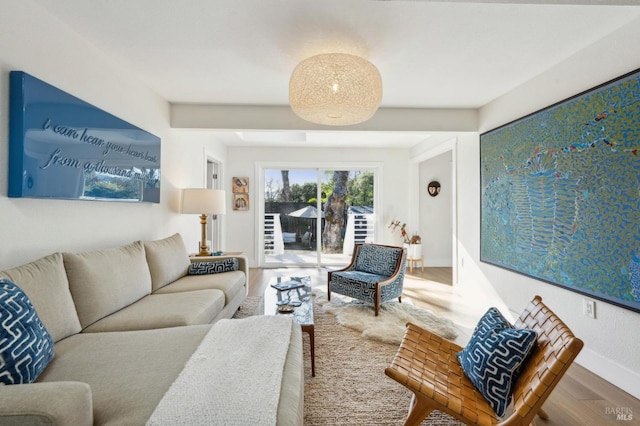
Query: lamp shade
<point x="203" y="201"/>
<point x="336" y="89"/>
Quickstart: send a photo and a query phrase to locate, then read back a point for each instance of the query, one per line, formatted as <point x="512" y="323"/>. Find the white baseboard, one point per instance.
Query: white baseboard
<point x="616" y="374"/>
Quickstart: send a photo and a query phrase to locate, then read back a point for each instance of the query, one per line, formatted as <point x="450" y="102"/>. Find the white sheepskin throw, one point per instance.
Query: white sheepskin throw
<point x="390" y="325"/>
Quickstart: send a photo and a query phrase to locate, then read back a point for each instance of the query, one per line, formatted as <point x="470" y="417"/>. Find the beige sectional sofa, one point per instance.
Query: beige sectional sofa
<point x="124" y="323"/>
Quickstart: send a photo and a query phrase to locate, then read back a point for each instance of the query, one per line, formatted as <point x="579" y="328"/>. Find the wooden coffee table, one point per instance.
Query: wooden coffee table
<point x="300" y="295"/>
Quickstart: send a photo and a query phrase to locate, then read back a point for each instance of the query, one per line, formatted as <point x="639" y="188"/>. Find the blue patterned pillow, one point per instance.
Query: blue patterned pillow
<point x="216" y="267"/>
<point x="25" y="345"/>
<point x="493" y="357"/>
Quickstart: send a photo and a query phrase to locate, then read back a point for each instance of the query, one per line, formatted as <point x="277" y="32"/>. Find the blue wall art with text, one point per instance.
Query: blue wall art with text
<point x="63" y="147"/>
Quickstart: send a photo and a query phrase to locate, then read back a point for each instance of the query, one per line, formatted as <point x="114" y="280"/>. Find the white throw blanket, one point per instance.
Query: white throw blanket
<point x="233" y="378"/>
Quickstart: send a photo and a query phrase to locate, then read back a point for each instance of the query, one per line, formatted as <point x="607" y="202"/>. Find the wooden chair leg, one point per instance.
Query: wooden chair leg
<point x="418" y="411"/>
<point x="542" y="414"/>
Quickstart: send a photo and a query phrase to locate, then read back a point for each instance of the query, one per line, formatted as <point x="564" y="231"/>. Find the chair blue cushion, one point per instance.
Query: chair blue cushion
<point x="25" y="345"/>
<point x="362" y="285"/>
<point x="377" y="259"/>
<point x="493" y="357"/>
<point x="215" y="267"/>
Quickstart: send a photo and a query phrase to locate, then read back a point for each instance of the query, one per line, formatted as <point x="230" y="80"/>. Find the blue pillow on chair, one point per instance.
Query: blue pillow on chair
<point x="215" y="267"/>
<point x="26" y="346"/>
<point x="493" y="357"/>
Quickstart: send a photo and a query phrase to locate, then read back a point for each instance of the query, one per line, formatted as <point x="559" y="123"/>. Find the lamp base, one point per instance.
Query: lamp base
<point x="204" y="251"/>
<point x="204" y="248"/>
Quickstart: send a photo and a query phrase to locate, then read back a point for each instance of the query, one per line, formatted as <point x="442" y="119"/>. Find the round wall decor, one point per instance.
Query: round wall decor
<point x="433" y="188"/>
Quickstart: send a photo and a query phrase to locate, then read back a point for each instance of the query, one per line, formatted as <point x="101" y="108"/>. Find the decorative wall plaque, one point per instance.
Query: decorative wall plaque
<point x="63" y="147"/>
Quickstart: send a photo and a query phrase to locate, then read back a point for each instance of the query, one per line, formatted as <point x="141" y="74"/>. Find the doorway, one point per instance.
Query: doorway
<point x="213" y="180"/>
<point x="438" y="212"/>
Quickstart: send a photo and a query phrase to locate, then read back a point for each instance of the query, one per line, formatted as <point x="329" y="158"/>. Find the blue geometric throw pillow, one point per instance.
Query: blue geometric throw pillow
<point x="25" y="345"/>
<point x="493" y="357"/>
<point x="216" y="267"/>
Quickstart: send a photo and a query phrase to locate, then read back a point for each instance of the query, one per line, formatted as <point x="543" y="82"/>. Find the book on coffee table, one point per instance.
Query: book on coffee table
<point x="287" y="285"/>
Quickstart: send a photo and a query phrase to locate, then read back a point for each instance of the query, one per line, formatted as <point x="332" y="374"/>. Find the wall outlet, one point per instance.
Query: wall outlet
<point x="589" y="308"/>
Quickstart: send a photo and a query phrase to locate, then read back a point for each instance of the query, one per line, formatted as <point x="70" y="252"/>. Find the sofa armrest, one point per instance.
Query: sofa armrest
<point x="55" y="403"/>
<point x="243" y="262"/>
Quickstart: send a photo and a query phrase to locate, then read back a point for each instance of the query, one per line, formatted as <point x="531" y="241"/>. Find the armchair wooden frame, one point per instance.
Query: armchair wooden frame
<point x="400" y="265"/>
<point x="427" y="365"/>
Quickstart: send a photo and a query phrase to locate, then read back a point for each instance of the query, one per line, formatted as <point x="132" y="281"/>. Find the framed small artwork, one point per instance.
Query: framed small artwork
<point x="241" y="201"/>
<point x="240" y="190"/>
<point x="240" y="185"/>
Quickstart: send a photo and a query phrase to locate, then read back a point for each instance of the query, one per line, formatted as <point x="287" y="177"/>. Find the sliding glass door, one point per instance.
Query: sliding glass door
<point x="290" y="216"/>
<point x="314" y="216"/>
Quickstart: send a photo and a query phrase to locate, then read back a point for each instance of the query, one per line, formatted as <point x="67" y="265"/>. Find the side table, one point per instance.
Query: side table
<point x="196" y="258"/>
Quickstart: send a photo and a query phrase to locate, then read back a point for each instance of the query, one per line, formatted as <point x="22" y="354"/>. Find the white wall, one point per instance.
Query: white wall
<point x="33" y="42"/>
<point x="242" y="231"/>
<point x="435" y="212"/>
<point x="611" y="340"/>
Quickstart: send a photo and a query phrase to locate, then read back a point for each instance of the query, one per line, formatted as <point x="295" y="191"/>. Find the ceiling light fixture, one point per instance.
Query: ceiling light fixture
<point x="336" y="89"/>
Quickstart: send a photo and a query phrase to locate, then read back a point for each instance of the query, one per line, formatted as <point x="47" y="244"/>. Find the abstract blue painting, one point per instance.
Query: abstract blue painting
<point x="560" y="193"/>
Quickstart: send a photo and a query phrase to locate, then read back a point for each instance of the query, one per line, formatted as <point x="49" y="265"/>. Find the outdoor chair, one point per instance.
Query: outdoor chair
<point x="306" y="238"/>
<point x="427" y="365"/>
<point x="375" y="274"/>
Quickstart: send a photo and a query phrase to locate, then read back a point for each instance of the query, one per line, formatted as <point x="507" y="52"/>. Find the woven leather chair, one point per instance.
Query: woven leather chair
<point x="427" y="365"/>
<point x="375" y="274"/>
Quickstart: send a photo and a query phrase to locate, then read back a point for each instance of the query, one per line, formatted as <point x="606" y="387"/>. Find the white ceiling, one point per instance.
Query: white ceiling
<point x="431" y="54"/>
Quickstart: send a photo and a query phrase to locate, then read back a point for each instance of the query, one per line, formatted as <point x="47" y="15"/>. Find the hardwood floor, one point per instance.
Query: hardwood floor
<point x="581" y="397"/>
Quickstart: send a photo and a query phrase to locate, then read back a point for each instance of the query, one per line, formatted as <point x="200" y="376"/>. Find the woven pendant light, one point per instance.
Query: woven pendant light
<point x="336" y="89"/>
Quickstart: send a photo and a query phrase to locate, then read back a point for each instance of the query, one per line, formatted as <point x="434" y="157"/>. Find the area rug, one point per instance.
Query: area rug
<point x="350" y="387"/>
<point x="389" y="326"/>
<point x="252" y="305"/>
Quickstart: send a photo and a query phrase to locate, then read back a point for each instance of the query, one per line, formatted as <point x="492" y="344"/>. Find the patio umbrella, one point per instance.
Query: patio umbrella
<point x="308" y="212"/>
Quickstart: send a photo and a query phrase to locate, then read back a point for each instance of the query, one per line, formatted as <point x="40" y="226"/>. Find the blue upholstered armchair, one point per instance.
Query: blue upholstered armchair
<point x="375" y="274"/>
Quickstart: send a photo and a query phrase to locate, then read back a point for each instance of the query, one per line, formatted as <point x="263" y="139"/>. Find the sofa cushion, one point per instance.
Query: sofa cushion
<point x="493" y="357"/>
<point x="164" y="310"/>
<point x="376" y="259"/>
<point x="168" y="260"/>
<point x="215" y="267"/>
<point x="230" y="283"/>
<point x="105" y="281"/>
<point x="45" y="283"/>
<point x="128" y="371"/>
<point x="25" y="345"/>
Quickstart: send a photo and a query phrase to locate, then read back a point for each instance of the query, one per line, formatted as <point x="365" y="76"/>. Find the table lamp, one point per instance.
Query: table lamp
<point x="204" y="202"/>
